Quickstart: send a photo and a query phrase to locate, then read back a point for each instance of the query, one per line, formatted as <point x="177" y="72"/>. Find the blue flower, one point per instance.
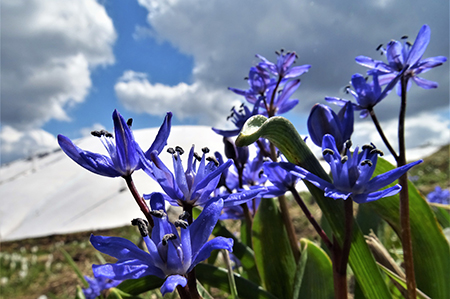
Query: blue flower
<point x="97" y="285"/>
<point x="323" y="120"/>
<point x="170" y="256"/>
<point x="125" y="155"/>
<point x="281" y="179"/>
<point x="352" y="174"/>
<point x="238" y="117"/>
<point x="439" y="196"/>
<point x="194" y="186"/>
<point x="258" y="80"/>
<point x="283" y="68"/>
<point x="191" y="187"/>
<point x="281" y="99"/>
<point x="367" y="95"/>
<point x="406" y="59"/>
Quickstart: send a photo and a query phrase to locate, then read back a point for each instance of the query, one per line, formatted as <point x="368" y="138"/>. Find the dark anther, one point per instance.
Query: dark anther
<point x="167" y="238"/>
<point x="246" y="78"/>
<point x="379" y="47"/>
<point x="348" y="144"/>
<point x="242" y="105"/>
<point x="276" y="52"/>
<point x="205" y="150"/>
<point x="129" y="122"/>
<point x="296" y="56"/>
<point x="368" y="147"/>
<point x="142" y="226"/>
<point x="409" y="44"/>
<point x="260" y="174"/>
<point x="344" y="159"/>
<point x="211" y="158"/>
<point x="96" y="134"/>
<point x="158" y="213"/>
<point x="346" y="89"/>
<point x="171" y="151"/>
<point x="366" y="78"/>
<point x="197" y="156"/>
<point x="377" y="151"/>
<point x="185" y="215"/>
<point x="179" y="150"/>
<point x="327" y="151"/>
<point x="404" y="37"/>
<point x="181" y="223"/>
<point x="366" y="162"/>
<point x="228" y="117"/>
<point x="106" y="133"/>
<point x="281" y="50"/>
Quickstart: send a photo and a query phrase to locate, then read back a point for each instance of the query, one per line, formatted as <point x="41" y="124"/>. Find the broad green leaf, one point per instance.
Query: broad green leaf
<point x="431" y="250"/>
<point x="314" y="276"/>
<point x="442" y="213"/>
<point x="274" y="257"/>
<point x="401" y="281"/>
<point x="244" y="253"/>
<point x="284" y="136"/>
<point x="218" y="278"/>
<point x="141" y="285"/>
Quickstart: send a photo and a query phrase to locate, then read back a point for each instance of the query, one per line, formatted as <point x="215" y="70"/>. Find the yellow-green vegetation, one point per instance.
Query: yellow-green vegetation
<point x="434" y="171"/>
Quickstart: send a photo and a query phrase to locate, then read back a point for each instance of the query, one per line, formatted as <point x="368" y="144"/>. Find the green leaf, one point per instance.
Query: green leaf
<point x="244" y="253"/>
<point x="141" y="285"/>
<point x="274" y="257"/>
<point x="314" y="276"/>
<point x="202" y="291"/>
<point x="401" y="281"/>
<point x="218" y="278"/>
<point x="284" y="136"/>
<point x="431" y="250"/>
<point x="79" y="294"/>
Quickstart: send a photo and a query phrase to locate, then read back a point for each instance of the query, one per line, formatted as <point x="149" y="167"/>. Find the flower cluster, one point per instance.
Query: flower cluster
<point x="234" y="189"/>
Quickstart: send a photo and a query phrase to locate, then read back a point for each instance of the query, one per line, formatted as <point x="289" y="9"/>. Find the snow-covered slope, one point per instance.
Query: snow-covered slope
<point x="51" y="194"/>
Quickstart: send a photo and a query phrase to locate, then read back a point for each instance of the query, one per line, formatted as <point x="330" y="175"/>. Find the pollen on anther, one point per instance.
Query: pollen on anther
<point x="366" y="162"/>
<point x="377" y="151"/>
<point x="168" y="237"/>
<point x="344" y="159"/>
<point x="171" y="151"/>
<point x="212" y="159"/>
<point x="179" y="149"/>
<point x="205" y="150"/>
<point x="327" y="151"/>
<point x="197" y="156"/>
<point x="368" y="147"/>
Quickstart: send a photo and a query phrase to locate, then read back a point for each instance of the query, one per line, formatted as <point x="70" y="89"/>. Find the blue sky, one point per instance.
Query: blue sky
<point x="66" y="65"/>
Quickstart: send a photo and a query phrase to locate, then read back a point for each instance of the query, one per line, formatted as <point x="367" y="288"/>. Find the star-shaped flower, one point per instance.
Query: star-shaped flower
<point x="124" y="156"/>
<point x="352" y="174"/>
<point x="406" y="60"/>
<point x="171" y="256"/>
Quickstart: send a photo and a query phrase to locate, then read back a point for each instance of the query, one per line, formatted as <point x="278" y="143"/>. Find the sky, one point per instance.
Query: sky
<point x="66" y="65"/>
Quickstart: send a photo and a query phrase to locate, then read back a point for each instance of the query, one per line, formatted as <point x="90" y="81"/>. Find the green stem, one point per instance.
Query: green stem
<point x="231" y="282"/>
<point x="404" y="199"/>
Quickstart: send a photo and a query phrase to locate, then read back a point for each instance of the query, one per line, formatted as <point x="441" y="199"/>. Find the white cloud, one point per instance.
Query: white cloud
<point x="48" y="51"/>
<point x="223" y="36"/>
<point x="15" y="144"/>
<point x="184" y="100"/>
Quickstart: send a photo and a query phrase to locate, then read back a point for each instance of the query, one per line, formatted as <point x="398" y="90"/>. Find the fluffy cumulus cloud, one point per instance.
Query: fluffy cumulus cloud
<point x="48" y="48"/>
<point x="184" y="100"/>
<point x="15" y="144"/>
<point x="223" y="36"/>
<point x="48" y="51"/>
